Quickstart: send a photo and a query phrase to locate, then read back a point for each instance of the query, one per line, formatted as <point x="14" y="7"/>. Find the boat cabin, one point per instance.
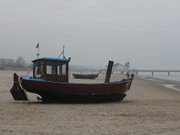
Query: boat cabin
<point x="51" y="69"/>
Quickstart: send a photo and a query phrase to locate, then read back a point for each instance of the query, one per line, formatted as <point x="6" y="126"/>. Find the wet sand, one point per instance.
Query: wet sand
<point x="149" y="109"/>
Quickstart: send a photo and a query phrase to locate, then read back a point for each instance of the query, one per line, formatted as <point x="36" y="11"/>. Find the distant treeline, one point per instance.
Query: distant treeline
<point x="19" y="63"/>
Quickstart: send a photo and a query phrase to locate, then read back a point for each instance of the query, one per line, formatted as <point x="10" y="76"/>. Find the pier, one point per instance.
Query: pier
<point x="137" y="71"/>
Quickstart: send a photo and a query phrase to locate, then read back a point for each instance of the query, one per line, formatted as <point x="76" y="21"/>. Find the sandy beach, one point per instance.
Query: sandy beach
<point x="149" y="109"/>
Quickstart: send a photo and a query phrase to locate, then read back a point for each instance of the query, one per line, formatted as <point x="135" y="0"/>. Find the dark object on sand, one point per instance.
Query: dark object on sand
<point x="85" y="76"/>
<point x="50" y="81"/>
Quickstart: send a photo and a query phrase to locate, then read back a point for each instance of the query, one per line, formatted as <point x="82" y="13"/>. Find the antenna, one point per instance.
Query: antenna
<point x="63" y="53"/>
<point x="38" y="50"/>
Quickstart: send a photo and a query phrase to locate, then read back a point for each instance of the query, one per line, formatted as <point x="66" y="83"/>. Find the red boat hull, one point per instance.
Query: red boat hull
<point x="59" y="91"/>
<point x="62" y="91"/>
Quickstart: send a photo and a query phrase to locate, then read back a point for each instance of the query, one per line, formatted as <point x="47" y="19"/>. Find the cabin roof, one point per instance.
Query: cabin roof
<point x="50" y="59"/>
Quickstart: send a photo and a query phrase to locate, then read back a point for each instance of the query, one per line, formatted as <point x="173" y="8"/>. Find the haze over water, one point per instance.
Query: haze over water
<point x="144" y="32"/>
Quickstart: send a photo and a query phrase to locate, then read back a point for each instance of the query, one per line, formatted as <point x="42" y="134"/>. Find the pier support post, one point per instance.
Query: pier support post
<point x="152" y="73"/>
<point x="168" y="73"/>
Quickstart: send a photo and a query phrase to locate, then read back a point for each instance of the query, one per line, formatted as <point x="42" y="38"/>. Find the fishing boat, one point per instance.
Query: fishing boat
<point x="50" y="81"/>
<point x="85" y="76"/>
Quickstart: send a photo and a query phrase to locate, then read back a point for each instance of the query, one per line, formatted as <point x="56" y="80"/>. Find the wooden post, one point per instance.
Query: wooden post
<point x="109" y="71"/>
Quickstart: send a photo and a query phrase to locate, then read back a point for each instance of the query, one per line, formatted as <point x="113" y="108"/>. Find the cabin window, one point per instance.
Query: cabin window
<point x="54" y="70"/>
<point x="51" y="69"/>
<point x="61" y="70"/>
<point x="38" y="70"/>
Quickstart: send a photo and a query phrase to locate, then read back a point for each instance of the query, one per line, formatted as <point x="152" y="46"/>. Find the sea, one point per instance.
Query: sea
<point x="171" y="82"/>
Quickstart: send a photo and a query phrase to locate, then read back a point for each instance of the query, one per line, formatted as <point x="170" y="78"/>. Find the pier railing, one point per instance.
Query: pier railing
<point x="153" y="71"/>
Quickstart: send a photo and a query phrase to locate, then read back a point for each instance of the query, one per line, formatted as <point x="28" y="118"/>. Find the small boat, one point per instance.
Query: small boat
<point x="50" y="81"/>
<point x="85" y="76"/>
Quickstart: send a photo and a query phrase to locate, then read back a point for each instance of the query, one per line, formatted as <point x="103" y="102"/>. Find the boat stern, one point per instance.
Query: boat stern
<point x="17" y="92"/>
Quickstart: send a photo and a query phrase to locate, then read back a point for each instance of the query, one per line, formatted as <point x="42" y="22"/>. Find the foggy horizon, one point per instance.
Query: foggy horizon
<point x="145" y="33"/>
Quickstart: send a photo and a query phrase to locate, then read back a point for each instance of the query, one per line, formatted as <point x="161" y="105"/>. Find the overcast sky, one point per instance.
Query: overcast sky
<point x="144" y="32"/>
